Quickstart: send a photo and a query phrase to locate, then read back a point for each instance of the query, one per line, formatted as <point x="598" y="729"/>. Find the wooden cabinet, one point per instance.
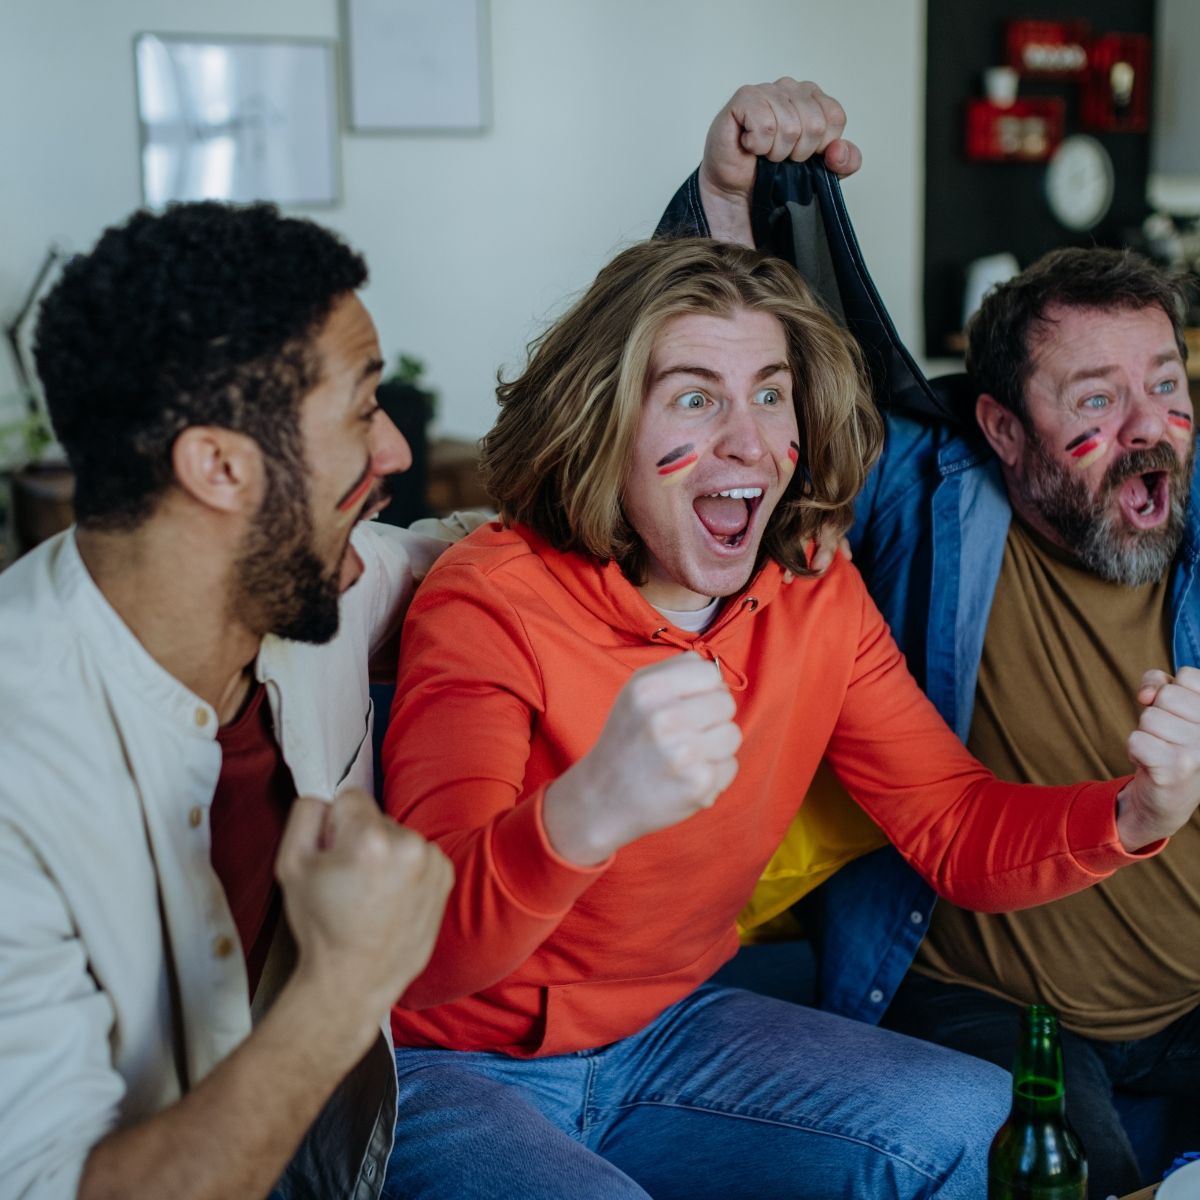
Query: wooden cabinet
<point x="454" y="481"/>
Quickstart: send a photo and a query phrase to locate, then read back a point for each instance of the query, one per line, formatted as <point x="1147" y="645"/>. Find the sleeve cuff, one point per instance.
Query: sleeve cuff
<point x="1092" y="830"/>
<point x="536" y="877"/>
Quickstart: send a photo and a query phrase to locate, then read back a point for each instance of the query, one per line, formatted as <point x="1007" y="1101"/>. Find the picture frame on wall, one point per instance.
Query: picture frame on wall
<point x="238" y="119"/>
<point x="417" y="66"/>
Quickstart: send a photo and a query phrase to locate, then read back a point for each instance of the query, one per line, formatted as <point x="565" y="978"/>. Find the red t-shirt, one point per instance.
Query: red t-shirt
<point x="249" y="810"/>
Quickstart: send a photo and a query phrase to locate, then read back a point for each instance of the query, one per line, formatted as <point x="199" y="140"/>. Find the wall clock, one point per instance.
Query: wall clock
<point x="1079" y="182"/>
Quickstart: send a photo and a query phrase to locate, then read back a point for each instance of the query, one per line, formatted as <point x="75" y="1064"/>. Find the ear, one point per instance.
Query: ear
<point x="219" y="468"/>
<point x="1002" y="428"/>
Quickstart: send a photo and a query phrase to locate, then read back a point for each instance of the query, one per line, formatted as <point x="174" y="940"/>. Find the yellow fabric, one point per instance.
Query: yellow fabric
<point x="827" y="832"/>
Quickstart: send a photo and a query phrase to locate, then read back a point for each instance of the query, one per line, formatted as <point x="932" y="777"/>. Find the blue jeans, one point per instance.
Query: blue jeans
<point x="725" y="1095"/>
<point x="1166" y="1064"/>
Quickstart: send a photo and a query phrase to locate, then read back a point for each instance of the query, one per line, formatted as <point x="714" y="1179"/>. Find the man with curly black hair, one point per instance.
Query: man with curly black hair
<point x="179" y="667"/>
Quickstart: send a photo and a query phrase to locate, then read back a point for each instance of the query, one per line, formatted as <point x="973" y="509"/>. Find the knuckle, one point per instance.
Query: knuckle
<point x="679" y="759"/>
<point x="640" y="691"/>
<point x="409" y="849"/>
<point x="660" y="723"/>
<point x="285" y="871"/>
<point x="375" y="843"/>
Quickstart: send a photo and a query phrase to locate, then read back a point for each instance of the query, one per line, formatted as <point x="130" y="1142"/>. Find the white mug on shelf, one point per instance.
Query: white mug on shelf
<point x="982" y="275"/>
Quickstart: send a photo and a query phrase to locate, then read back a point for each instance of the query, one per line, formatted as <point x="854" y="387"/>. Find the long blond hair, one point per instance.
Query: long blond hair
<point x="557" y="457"/>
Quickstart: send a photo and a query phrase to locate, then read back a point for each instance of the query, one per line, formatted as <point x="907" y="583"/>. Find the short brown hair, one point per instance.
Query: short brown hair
<point x="1000" y="335"/>
<point x="557" y="457"/>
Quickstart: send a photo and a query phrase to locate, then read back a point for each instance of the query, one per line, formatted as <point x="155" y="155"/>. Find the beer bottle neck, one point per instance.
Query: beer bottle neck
<point x="1038" y="1071"/>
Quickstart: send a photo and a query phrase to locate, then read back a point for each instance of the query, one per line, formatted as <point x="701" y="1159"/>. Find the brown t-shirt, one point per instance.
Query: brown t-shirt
<point x="1055" y="703"/>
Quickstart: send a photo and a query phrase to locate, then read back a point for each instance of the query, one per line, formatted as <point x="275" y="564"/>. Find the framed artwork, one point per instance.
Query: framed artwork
<point x="417" y="66"/>
<point x="237" y="119"/>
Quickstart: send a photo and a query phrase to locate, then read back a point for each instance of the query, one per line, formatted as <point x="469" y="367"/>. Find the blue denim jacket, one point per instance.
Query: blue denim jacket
<point x="928" y="537"/>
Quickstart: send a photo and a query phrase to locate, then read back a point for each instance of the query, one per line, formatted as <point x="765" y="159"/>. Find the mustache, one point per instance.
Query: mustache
<point x="379" y="495"/>
<point x="1142" y="462"/>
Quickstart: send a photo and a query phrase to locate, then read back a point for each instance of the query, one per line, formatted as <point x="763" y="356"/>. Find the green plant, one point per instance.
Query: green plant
<point x="410" y="370"/>
<point x="24" y="441"/>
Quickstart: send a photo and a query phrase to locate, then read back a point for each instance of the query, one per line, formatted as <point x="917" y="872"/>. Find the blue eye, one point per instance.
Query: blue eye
<point x="1166" y="387"/>
<point x="769" y="396"/>
<point x="692" y="400"/>
<point x="1095" y="402"/>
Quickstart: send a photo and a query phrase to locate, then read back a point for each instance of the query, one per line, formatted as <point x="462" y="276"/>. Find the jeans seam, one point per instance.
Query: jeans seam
<point x="588" y="1093"/>
<point x="931" y="1173"/>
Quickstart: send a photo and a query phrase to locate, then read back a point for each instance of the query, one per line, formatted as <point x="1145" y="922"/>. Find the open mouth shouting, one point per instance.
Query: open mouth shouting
<point x="1145" y="499"/>
<point x="728" y="515"/>
<point x="373" y="496"/>
<point x="1142" y="484"/>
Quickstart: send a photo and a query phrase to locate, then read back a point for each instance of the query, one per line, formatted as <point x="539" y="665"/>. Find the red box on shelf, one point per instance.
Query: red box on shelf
<point x="1028" y="130"/>
<point x="1048" y="49"/>
<point x="1116" y="92"/>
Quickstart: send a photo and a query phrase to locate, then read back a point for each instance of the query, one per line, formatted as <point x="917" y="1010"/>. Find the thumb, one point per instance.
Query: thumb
<point x="303" y="835"/>
<point x="1153" y="682"/>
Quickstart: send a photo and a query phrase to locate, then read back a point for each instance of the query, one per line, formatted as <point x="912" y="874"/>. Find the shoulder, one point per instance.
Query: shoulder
<point x="832" y="601"/>
<point x="491" y="558"/>
<point x="40" y="645"/>
<point x="490" y="548"/>
<point x="917" y="455"/>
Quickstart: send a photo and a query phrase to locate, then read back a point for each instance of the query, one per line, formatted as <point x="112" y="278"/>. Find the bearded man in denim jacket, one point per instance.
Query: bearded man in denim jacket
<point x="1039" y="554"/>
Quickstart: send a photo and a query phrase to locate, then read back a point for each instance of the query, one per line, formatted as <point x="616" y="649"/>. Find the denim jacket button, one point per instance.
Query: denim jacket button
<point x="916" y="917"/>
<point x="875" y="996"/>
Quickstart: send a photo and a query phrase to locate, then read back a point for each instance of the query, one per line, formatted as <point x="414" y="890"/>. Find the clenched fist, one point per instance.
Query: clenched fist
<point x="666" y="752"/>
<point x="364" y="900"/>
<point x="1165" y="749"/>
<point x="780" y="120"/>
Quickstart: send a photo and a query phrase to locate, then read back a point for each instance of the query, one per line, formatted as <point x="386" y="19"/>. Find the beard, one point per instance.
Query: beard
<point x="1092" y="527"/>
<point x="278" y="574"/>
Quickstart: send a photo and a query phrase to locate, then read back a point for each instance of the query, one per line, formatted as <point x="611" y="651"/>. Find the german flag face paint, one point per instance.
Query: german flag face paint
<point x="676" y="463"/>
<point x="793" y="454"/>
<point x="1086" y="448"/>
<point x="358" y="492"/>
<point x="1179" y="420"/>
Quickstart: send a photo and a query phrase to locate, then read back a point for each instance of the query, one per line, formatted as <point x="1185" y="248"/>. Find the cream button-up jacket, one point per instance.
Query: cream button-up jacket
<point x="122" y="981"/>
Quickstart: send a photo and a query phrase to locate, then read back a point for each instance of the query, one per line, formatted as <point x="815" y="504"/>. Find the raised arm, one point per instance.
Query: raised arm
<point x="779" y="120"/>
<point x="456" y="757"/>
<point x="363" y="899"/>
<point x="989" y="845"/>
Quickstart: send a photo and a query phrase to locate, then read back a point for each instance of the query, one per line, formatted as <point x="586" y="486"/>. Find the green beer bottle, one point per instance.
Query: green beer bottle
<point x="1036" y="1155"/>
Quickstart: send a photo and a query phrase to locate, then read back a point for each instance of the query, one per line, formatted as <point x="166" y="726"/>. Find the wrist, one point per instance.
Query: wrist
<point x="571" y="828"/>
<point x="727" y="213"/>
<point x="1134" y="830"/>
<point x="335" y="1017"/>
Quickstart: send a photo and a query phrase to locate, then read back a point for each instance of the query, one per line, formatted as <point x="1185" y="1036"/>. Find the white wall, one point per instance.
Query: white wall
<point x="599" y="111"/>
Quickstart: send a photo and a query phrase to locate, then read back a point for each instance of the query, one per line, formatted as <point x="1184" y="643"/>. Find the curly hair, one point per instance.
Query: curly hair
<point x="1001" y="334"/>
<point x="203" y="314"/>
<point x="556" y="458"/>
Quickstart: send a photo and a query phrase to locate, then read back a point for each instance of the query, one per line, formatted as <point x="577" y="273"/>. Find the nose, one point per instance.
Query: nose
<point x="1145" y="424"/>
<point x="740" y="438"/>
<point x="390" y="451"/>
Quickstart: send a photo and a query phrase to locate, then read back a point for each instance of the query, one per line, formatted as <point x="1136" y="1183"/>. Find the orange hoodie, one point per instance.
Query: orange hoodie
<point x="513" y="654"/>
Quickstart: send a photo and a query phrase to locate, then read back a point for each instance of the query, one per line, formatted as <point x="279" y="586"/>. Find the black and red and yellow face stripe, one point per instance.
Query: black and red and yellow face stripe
<point x="358" y="492"/>
<point x="1086" y="448"/>
<point x="1179" y="420"/>
<point x="677" y="460"/>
